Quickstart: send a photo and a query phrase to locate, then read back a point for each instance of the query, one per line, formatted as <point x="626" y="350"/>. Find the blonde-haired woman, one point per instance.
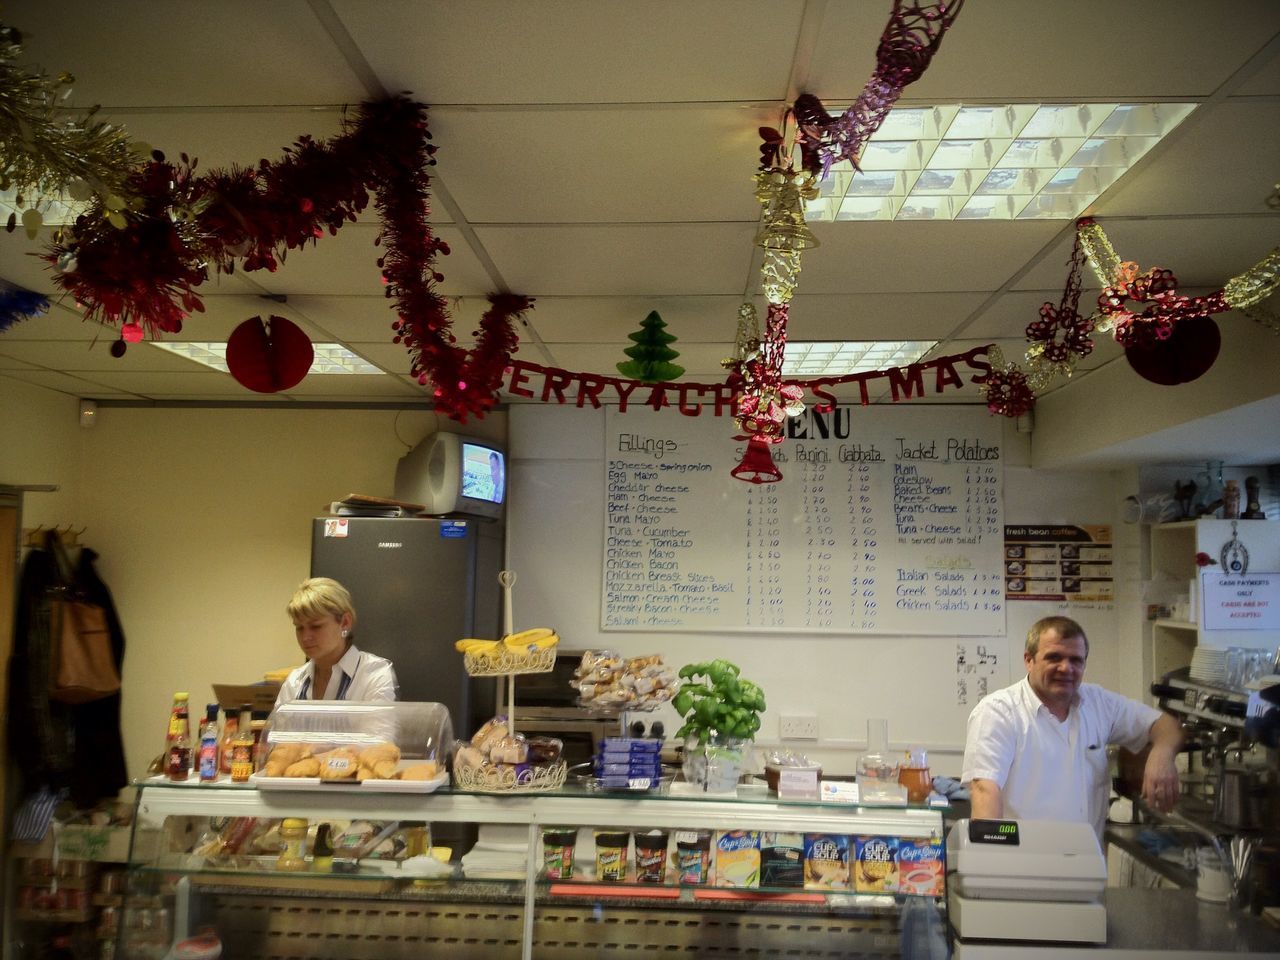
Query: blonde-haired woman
<point x="324" y="622"/>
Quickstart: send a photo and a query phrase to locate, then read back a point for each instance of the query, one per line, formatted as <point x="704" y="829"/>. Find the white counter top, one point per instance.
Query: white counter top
<point x="1151" y="925"/>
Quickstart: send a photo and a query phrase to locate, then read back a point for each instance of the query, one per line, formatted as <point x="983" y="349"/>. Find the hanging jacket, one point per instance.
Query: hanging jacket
<point x="39" y="729"/>
<point x="54" y="744"/>
<point x="99" y="769"/>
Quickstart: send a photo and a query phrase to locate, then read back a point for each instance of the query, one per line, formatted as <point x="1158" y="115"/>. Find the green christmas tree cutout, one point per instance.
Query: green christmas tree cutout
<point x="651" y="357"/>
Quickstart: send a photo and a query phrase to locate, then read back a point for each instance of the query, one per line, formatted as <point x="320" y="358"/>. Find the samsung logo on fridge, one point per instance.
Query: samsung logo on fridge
<point x="390" y="544"/>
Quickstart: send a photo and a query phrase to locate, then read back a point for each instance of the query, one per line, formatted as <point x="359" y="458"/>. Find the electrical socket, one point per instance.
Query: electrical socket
<point x="798" y="726"/>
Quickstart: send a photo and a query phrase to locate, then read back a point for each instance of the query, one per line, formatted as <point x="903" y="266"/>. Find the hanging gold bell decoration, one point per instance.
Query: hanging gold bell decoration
<point x="783" y="232"/>
<point x="782" y="193"/>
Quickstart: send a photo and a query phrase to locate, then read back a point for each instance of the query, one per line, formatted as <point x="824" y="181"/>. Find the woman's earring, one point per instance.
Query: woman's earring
<point x="345" y="634"/>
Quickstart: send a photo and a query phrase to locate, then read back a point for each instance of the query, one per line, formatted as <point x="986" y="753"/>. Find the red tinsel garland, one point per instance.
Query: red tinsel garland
<point x="1158" y="290"/>
<point x="148" y="272"/>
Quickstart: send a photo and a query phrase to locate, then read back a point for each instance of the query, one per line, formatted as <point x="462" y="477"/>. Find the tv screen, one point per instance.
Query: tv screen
<point x="484" y="473"/>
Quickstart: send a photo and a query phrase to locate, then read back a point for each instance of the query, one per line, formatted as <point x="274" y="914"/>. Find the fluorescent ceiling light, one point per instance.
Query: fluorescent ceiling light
<point x="836" y="359"/>
<point x="56" y="210"/>
<point x="329" y="357"/>
<point x="1020" y="161"/>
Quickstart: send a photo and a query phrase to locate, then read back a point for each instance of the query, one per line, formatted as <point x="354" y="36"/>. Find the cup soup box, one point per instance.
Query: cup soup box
<point x="738" y="858"/>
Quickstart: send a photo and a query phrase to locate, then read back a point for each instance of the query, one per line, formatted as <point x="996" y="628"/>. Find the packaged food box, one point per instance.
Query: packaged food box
<point x="635" y="768"/>
<point x="875" y="868"/>
<point x="630" y="745"/>
<point x="826" y="861"/>
<point x="693" y="856"/>
<point x="781" y="859"/>
<point x="738" y="858"/>
<point x="920" y="868"/>
<point x="623" y="781"/>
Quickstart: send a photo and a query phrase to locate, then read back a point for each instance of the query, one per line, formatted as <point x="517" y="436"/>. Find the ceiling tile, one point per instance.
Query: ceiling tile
<point x="60" y="324"/>
<point x="637" y="165"/>
<point x="622" y="259"/>
<point x="352" y="387"/>
<point x="1010" y="314"/>
<point x="1203" y="170"/>
<point x="202" y="381"/>
<point x="701" y="361"/>
<point x="187" y="52"/>
<point x="578" y="51"/>
<point x="912" y="257"/>
<point x="348" y="264"/>
<point x="1033" y="49"/>
<point x="64" y="383"/>
<point x="80" y="356"/>
<point x="1201" y="252"/>
<point x="877" y="316"/>
<point x="592" y="319"/>
<point x="222" y="137"/>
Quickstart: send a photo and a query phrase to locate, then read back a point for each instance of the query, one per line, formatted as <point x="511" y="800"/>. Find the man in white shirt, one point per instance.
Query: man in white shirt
<point x="1038" y="749"/>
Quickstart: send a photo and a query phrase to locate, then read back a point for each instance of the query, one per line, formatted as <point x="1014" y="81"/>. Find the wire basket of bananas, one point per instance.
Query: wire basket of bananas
<point x="529" y="651"/>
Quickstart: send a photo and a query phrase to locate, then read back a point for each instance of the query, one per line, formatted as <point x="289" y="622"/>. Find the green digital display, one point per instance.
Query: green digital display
<point x="994" y="831"/>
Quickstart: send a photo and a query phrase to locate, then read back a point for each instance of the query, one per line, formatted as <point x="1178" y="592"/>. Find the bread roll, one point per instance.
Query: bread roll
<point x="421" y="771"/>
<point x="340" y="764"/>
<point x="370" y="756"/>
<point x="307" y="767"/>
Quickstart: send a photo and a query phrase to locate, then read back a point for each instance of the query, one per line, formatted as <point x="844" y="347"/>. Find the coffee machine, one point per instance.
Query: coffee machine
<point x="1231" y="788"/>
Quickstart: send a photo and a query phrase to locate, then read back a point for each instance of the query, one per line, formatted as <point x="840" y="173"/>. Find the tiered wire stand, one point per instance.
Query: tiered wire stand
<point x="510" y="664"/>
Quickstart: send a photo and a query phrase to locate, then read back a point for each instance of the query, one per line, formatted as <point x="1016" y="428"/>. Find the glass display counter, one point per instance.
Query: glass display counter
<point x="576" y="873"/>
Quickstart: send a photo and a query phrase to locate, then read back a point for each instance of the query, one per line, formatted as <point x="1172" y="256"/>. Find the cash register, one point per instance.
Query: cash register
<point x="1030" y="880"/>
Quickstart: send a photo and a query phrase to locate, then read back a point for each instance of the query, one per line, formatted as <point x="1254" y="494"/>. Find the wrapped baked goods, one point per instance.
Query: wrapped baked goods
<point x="489" y="734"/>
<point x="544" y="749"/>
<point x="607" y="681"/>
<point x="510" y="749"/>
<point x="468" y="756"/>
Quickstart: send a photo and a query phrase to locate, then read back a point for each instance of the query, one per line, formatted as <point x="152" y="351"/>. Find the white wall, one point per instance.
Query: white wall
<point x="844" y="679"/>
<point x="41" y="443"/>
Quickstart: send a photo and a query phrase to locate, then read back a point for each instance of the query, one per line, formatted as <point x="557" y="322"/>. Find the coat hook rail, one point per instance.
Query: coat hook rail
<point x="68" y="536"/>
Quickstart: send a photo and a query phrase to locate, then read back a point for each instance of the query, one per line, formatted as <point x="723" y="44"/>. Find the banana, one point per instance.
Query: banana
<point x="538" y="638"/>
<point x="479" y="648"/>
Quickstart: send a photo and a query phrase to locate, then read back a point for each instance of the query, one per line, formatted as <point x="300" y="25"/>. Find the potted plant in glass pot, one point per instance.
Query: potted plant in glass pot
<point x="721" y="711"/>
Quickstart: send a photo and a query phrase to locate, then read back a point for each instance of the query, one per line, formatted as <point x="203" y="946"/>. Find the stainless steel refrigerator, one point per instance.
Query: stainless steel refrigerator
<point x="419" y="585"/>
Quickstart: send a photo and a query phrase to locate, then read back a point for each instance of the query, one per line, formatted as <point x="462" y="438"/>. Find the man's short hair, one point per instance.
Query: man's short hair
<point x="1065" y="627"/>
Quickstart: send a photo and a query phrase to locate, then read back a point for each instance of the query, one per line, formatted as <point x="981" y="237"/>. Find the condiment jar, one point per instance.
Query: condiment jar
<point x="914" y="775"/>
<point x="293" y="831"/>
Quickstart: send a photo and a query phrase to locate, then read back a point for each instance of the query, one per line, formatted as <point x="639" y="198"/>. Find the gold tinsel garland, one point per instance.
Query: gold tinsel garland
<point x="45" y="154"/>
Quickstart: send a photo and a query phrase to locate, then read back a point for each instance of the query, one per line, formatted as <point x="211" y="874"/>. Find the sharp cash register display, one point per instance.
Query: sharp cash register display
<point x="994" y="831"/>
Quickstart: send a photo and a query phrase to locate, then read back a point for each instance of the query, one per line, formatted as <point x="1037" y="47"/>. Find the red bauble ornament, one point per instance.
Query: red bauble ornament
<point x="131" y="332"/>
<point x="271" y="356"/>
<point x="1185" y="355"/>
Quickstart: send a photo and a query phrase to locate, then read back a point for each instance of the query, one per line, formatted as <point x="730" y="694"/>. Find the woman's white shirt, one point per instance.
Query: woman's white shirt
<point x="357" y="676"/>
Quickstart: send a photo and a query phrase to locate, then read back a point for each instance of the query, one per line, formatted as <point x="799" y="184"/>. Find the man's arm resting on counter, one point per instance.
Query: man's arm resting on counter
<point x="1160" y="781"/>
<point x="986" y="802"/>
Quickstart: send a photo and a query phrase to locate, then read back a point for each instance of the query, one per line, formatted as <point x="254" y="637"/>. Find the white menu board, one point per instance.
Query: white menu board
<point x="884" y="522"/>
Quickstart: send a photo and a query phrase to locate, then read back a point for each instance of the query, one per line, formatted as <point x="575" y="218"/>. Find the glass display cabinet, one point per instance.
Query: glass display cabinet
<point x="342" y="871"/>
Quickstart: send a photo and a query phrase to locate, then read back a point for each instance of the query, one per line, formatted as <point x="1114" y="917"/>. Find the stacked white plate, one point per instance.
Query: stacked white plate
<point x="1209" y="666"/>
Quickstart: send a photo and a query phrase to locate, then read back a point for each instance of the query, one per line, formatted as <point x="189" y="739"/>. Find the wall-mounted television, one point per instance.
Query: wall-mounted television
<point x="452" y="474"/>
